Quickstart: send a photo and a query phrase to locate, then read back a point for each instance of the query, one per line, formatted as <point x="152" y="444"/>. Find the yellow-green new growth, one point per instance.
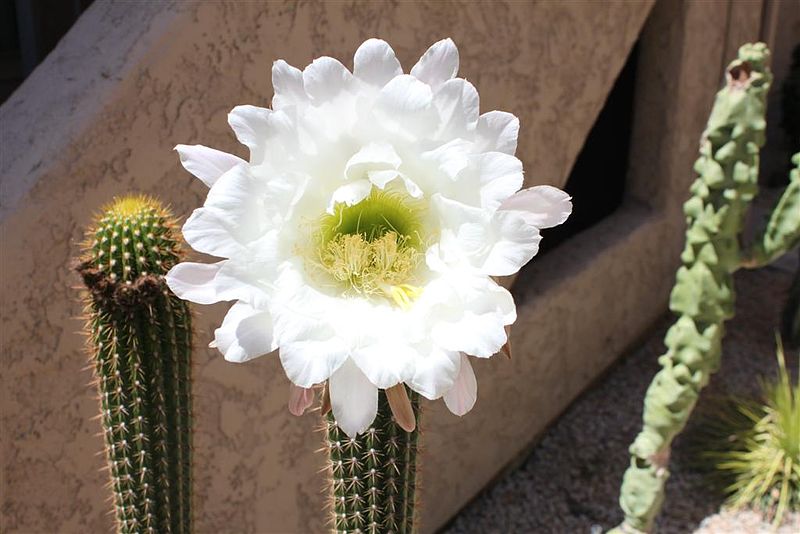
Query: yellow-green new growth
<point x="140" y="337"/>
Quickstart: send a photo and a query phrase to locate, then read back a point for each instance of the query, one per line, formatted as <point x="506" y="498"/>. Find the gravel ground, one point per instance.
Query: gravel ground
<point x="569" y="482"/>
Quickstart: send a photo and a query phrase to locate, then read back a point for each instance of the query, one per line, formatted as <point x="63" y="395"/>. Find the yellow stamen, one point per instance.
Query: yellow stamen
<point x="404" y="295"/>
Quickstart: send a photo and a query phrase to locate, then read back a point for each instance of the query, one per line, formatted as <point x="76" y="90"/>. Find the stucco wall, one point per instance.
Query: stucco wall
<point x="131" y="80"/>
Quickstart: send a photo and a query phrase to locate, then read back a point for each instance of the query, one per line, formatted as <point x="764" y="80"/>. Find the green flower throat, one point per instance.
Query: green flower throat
<point x="374" y="247"/>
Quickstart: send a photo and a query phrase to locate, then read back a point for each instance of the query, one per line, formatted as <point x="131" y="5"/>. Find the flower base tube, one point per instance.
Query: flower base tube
<point x="372" y="477"/>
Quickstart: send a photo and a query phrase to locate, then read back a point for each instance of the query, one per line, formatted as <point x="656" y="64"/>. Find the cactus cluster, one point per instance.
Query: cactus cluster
<point x="703" y="296"/>
<point x="140" y="337"/>
<point x="373" y="476"/>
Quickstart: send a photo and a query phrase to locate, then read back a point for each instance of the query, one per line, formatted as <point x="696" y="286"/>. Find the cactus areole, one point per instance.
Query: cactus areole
<point x="140" y="340"/>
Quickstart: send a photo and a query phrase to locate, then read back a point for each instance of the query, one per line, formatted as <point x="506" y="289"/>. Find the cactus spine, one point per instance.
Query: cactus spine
<point x="373" y="476"/>
<point x="140" y="335"/>
<point x="703" y="295"/>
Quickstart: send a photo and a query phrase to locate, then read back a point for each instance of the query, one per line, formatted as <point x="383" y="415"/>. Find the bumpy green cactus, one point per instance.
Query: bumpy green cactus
<point x="140" y="336"/>
<point x="783" y="229"/>
<point x="781" y="234"/>
<point x="703" y="295"/>
<point x="373" y="476"/>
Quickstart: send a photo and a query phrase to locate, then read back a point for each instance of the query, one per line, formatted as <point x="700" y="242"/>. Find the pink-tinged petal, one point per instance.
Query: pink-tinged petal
<point x="206" y="163"/>
<point x="542" y="206"/>
<point x="497" y="131"/>
<point x="300" y="399"/>
<point x="438" y="64"/>
<point x="375" y="62"/>
<point x="462" y="396"/>
<point x="354" y="399"/>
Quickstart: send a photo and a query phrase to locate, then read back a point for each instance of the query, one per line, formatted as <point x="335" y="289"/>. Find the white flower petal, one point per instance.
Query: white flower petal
<point x="405" y="104"/>
<point x="197" y="282"/>
<point x="246" y="333"/>
<point x="300" y="399"/>
<point x="497" y="131"/>
<point x="542" y="206"/>
<point x="375" y="62"/>
<point x="287" y="82"/>
<point x="438" y="64"/>
<point x="251" y="126"/>
<point x="207" y="163"/>
<point x="494" y="244"/>
<point x="499" y="176"/>
<point x="381" y="179"/>
<point x="386" y="362"/>
<point x="350" y="193"/>
<point x="515" y="243"/>
<point x="231" y="216"/>
<point x="310" y="362"/>
<point x="473" y="316"/>
<point x="372" y="157"/>
<point x="458" y="104"/>
<point x="450" y="158"/>
<point x="325" y="79"/>
<point x="354" y="399"/>
<point x="462" y="396"/>
<point x="434" y="371"/>
<point x="206" y="231"/>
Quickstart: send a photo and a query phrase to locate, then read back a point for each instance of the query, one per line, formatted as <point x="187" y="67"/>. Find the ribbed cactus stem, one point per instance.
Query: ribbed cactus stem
<point x="703" y="295"/>
<point x="140" y="336"/>
<point x="373" y="476"/>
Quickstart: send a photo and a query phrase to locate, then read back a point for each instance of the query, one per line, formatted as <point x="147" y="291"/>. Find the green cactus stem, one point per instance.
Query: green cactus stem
<point x="782" y="232"/>
<point x="703" y="296"/>
<point x="373" y="476"/>
<point x="140" y="337"/>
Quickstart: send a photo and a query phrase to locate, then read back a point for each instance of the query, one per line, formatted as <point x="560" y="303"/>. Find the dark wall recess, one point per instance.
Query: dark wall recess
<point x="597" y="180"/>
<point x="29" y="30"/>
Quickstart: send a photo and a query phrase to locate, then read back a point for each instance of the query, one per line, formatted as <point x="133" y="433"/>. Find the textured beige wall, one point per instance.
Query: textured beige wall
<point x="131" y="80"/>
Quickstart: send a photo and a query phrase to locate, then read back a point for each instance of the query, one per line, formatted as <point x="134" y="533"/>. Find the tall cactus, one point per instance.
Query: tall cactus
<point x="140" y="335"/>
<point x="373" y="476"/>
<point x="703" y="295"/>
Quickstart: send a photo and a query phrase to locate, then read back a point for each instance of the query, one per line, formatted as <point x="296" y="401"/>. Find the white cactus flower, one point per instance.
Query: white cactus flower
<point x="361" y="238"/>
